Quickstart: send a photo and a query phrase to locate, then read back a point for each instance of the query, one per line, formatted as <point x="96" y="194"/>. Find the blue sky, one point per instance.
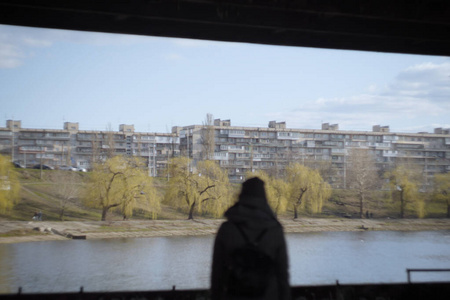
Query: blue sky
<point x="48" y="77"/>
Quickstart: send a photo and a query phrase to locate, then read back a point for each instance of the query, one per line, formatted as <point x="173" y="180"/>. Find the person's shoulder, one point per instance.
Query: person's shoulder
<point x="276" y="228"/>
<point x="226" y="225"/>
<point x="226" y="230"/>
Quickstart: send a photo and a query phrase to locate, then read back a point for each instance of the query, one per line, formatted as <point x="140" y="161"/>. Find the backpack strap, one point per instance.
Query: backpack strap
<point x="247" y="239"/>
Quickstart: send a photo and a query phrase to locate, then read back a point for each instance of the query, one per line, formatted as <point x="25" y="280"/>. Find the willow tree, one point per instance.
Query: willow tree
<point x="217" y="199"/>
<point x="306" y="189"/>
<point x="276" y="190"/>
<point x="9" y="185"/>
<point x="121" y="183"/>
<point x="362" y="175"/>
<point x="404" y="183"/>
<point x="442" y="189"/>
<point x="206" y="190"/>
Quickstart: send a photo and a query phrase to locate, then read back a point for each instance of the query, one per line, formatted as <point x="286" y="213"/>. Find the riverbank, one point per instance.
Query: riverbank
<point x="24" y="231"/>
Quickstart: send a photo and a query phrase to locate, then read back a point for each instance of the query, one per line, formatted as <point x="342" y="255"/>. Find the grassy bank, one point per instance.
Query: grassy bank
<point x="20" y="231"/>
<point x="41" y="194"/>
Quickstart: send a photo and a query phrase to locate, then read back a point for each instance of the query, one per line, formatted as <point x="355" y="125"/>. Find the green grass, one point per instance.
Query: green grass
<point x="39" y="195"/>
<point x="20" y="232"/>
<point x="436" y="209"/>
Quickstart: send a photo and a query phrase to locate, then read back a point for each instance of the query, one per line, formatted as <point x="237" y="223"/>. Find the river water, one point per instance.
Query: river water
<point x="160" y="263"/>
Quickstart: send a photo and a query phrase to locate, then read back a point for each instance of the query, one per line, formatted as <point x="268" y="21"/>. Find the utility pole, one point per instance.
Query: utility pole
<point x="251" y="158"/>
<point x="12" y="143"/>
<point x="168" y="165"/>
<point x="154" y="157"/>
<point x="187" y="141"/>
<point x="42" y="152"/>
<point x="345" y="170"/>
<point x="149" y="165"/>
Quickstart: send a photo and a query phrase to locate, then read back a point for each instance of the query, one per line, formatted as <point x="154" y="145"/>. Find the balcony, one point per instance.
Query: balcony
<point x="236" y="133"/>
<point x="390" y="153"/>
<point x="382" y="145"/>
<point x="57" y="138"/>
<point x="338" y="152"/>
<point x="220" y="156"/>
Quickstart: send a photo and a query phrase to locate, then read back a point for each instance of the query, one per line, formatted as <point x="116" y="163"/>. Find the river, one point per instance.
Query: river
<point x="159" y="263"/>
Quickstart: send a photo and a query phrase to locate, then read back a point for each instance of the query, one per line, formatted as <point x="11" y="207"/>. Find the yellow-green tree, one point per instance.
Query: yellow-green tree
<point x="404" y="183"/>
<point x="121" y="183"/>
<point x="442" y="189"/>
<point x="276" y="190"/>
<point x="306" y="189"/>
<point x="9" y="185"/>
<point x="207" y="190"/>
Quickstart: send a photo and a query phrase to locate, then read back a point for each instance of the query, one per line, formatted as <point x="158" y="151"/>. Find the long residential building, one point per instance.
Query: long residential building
<point x="80" y="148"/>
<point x="241" y="149"/>
<point x="237" y="149"/>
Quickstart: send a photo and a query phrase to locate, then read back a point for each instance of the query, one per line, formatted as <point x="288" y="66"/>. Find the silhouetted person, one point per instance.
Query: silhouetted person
<point x="250" y="219"/>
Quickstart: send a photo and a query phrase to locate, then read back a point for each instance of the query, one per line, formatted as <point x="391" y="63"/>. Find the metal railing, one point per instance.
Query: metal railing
<point x="408" y="271"/>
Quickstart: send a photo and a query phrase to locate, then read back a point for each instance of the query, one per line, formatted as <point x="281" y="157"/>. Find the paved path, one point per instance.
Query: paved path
<point x="46" y="231"/>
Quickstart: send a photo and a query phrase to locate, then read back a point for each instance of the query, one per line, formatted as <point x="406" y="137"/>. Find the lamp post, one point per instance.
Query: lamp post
<point x="12" y="144"/>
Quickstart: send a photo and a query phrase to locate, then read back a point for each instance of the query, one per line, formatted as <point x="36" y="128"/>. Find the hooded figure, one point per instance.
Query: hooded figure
<point x="253" y="215"/>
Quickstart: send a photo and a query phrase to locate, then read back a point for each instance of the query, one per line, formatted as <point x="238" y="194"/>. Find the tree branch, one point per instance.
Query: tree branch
<point x="207" y="188"/>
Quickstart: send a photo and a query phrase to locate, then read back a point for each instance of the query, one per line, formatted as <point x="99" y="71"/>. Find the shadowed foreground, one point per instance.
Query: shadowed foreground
<point x="328" y="292"/>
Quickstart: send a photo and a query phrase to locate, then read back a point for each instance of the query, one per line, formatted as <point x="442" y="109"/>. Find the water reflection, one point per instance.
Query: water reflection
<point x="6" y="273"/>
<point x="160" y="263"/>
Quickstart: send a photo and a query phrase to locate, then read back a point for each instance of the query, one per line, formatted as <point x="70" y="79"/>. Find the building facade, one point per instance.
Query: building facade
<point x="236" y="149"/>
<point x="80" y="148"/>
<point x="272" y="148"/>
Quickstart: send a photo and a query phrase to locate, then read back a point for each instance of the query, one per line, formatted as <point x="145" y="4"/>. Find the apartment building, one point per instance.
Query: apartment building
<point x="80" y="148"/>
<point x="241" y="149"/>
<point x="237" y="149"/>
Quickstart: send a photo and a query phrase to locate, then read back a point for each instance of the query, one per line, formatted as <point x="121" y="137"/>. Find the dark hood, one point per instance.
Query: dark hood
<point x="252" y="207"/>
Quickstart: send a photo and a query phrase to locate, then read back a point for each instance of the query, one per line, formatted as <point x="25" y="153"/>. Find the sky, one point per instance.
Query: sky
<point x="48" y="77"/>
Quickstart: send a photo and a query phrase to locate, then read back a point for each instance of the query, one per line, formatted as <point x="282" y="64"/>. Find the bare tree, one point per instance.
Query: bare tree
<point x="362" y="175"/>
<point x="96" y="152"/>
<point x="207" y="138"/>
<point x="67" y="190"/>
<point x="110" y="143"/>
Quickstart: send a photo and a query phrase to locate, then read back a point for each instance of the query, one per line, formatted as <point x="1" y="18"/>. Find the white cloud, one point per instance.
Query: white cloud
<point x="417" y="99"/>
<point x="10" y="56"/>
<point x="373" y="88"/>
<point x="32" y="42"/>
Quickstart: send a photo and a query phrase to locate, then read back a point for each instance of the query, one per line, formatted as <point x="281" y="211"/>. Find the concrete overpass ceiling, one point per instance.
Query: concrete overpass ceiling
<point x="397" y="26"/>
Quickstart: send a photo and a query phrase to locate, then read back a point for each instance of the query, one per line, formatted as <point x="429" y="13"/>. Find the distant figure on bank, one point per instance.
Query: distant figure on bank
<point x="37" y="216"/>
<point x="250" y="257"/>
